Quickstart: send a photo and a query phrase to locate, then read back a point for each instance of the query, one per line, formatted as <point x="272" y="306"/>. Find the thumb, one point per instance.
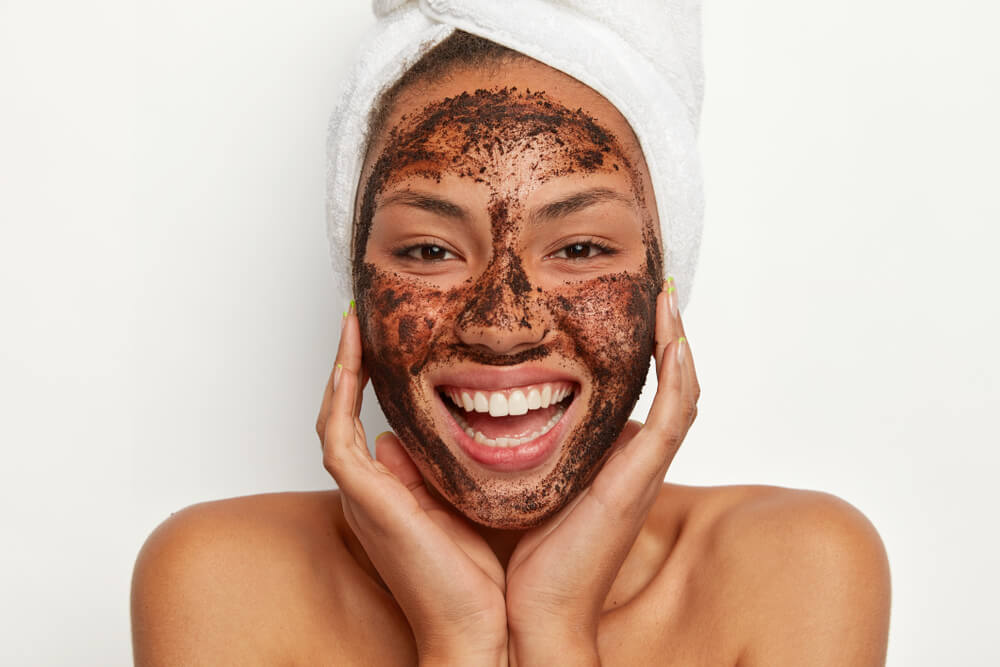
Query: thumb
<point x="632" y="428"/>
<point x="390" y="453"/>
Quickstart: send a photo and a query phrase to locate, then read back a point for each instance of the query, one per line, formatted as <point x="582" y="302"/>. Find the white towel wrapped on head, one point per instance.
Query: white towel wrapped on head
<point x="643" y="56"/>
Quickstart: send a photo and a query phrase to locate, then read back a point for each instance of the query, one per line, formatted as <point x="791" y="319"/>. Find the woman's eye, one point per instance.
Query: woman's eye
<point x="579" y="251"/>
<point x="429" y="253"/>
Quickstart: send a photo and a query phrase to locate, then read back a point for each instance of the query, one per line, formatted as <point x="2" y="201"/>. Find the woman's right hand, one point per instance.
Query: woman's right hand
<point x="441" y="572"/>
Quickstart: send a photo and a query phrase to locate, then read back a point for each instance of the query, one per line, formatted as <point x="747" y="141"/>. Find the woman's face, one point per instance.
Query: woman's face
<point x="510" y="262"/>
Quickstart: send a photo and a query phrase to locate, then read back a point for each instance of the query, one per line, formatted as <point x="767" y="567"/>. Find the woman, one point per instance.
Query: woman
<point x="507" y="260"/>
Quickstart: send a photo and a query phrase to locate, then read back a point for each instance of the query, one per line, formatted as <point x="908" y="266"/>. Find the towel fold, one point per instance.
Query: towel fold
<point x="643" y="56"/>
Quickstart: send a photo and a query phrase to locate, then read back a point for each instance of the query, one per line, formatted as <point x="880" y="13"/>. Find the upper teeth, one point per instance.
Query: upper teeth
<point x="510" y="402"/>
<point x="503" y="441"/>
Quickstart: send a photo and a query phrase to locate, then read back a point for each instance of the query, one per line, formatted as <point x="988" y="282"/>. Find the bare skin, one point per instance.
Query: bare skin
<point x="608" y="565"/>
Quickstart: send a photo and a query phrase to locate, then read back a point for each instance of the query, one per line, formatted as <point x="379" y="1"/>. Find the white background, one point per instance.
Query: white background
<point x="168" y="319"/>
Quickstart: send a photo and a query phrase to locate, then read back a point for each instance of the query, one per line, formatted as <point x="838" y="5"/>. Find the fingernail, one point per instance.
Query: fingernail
<point x="336" y="375"/>
<point x="379" y="436"/>
<point x="343" y="322"/>
<point x="672" y="295"/>
<point x="353" y="308"/>
<point x="681" y="344"/>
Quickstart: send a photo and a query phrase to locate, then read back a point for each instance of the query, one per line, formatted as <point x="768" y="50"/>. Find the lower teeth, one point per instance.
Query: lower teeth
<point x="509" y="442"/>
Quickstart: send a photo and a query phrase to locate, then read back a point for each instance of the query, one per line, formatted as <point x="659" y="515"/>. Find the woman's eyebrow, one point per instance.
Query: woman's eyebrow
<point x="577" y="202"/>
<point x="426" y="202"/>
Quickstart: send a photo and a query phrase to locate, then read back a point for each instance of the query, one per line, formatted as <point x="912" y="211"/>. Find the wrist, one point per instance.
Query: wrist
<point x="471" y="650"/>
<point x="478" y="639"/>
<point x="465" y="656"/>
<point x="554" y="647"/>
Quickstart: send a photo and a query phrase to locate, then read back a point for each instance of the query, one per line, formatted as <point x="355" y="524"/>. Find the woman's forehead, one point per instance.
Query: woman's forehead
<point x="509" y="139"/>
<point x="533" y="82"/>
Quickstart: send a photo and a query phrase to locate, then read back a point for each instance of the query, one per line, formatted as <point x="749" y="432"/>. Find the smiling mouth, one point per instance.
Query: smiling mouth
<point x="509" y="417"/>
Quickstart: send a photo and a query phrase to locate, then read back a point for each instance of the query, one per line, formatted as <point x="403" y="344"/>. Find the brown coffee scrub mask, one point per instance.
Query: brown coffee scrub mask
<point x="506" y="270"/>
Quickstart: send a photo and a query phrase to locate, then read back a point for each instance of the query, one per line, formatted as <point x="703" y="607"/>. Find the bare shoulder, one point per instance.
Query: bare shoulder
<point x="261" y="579"/>
<point x="803" y="575"/>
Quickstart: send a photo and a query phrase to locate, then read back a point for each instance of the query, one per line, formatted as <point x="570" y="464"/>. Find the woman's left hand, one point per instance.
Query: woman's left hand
<point x="561" y="572"/>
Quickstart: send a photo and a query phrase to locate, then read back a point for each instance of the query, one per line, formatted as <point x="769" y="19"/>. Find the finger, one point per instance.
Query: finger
<point x="631" y="478"/>
<point x="665" y="320"/>
<point x="666" y="423"/>
<point x="350" y="357"/>
<point x="681" y="395"/>
<point x="341" y="454"/>
<point x="349" y="353"/>
<point x="691" y="391"/>
<point x="352" y="313"/>
<point x="360" y="393"/>
<point x="632" y="428"/>
<point x="692" y="388"/>
<point x="324" y="407"/>
<point x="389" y="451"/>
<point x="344" y="446"/>
<point x="688" y="360"/>
<point x="360" y="439"/>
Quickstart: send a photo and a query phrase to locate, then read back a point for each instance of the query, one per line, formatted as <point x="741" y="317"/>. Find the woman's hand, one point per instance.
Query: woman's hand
<point x="560" y="573"/>
<point x="442" y="574"/>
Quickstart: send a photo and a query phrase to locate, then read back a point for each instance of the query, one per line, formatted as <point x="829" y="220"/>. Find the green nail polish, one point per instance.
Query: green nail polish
<point x="670" y="290"/>
<point x="670" y="279"/>
<point x="682" y="339"/>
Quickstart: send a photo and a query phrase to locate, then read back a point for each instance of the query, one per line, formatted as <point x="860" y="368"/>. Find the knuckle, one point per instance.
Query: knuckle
<point x="666" y="437"/>
<point x="658" y="456"/>
<point x="690" y="408"/>
<point x="672" y="440"/>
<point x="620" y="506"/>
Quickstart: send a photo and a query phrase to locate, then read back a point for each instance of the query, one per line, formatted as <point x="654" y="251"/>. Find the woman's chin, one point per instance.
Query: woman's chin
<point x="502" y="516"/>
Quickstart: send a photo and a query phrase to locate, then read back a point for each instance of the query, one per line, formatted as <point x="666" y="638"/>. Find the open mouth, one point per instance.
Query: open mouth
<point x="509" y="417"/>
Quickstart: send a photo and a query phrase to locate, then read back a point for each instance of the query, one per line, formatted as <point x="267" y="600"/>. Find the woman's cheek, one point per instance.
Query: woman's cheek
<point x="610" y="320"/>
<point x="398" y="319"/>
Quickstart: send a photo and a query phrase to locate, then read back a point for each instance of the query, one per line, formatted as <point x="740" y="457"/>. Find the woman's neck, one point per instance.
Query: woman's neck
<point x="502" y="542"/>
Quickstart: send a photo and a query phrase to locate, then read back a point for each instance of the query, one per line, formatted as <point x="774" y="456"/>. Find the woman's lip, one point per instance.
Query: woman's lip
<point x="511" y="459"/>
<point x="491" y="378"/>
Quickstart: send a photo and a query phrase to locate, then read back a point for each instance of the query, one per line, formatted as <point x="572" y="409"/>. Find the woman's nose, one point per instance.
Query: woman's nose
<point x="503" y="313"/>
